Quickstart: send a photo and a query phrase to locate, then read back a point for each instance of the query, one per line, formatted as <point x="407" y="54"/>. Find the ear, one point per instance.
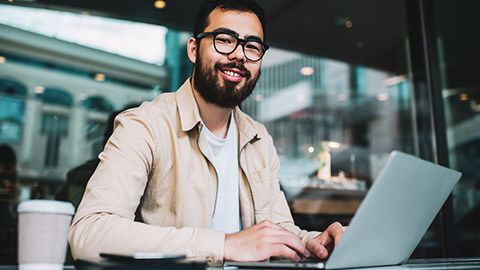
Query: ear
<point x="192" y="50"/>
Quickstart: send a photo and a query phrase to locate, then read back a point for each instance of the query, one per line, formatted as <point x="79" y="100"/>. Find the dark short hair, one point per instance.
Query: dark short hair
<point x="208" y="6"/>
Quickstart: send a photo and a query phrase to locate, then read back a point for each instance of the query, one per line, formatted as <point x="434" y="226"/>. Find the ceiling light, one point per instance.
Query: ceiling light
<point x="348" y="24"/>
<point x="159" y="4"/>
<point x="39" y="89"/>
<point x="342" y="97"/>
<point x="99" y="77"/>
<point x="477" y="108"/>
<point x="382" y="97"/>
<point x="333" y="145"/>
<point x="463" y="97"/>
<point x="344" y="22"/>
<point x="311" y="149"/>
<point x="394" y="80"/>
<point x="306" y="71"/>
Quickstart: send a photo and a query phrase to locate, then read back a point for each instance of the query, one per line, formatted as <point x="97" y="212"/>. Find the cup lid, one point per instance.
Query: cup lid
<point x="46" y="206"/>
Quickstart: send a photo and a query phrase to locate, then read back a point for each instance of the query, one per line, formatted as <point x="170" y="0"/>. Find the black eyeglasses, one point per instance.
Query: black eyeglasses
<point x="227" y="43"/>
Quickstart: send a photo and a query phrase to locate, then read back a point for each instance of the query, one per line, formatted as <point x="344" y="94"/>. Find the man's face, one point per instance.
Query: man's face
<point x="226" y="79"/>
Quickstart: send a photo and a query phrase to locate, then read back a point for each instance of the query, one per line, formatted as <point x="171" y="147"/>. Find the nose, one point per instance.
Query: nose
<point x="238" y="53"/>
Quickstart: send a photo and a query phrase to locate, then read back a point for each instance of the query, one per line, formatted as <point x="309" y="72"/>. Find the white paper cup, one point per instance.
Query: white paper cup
<point x="42" y="234"/>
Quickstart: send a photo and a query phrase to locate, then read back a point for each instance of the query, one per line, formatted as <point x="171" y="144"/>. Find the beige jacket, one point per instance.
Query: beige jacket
<point x="155" y="189"/>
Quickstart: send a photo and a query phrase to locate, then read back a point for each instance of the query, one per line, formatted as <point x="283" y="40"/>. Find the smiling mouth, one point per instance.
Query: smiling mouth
<point x="232" y="73"/>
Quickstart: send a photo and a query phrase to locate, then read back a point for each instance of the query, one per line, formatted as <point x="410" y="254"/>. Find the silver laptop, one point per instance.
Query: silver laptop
<point x="397" y="211"/>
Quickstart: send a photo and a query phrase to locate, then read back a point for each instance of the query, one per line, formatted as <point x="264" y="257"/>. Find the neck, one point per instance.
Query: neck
<point x="215" y="118"/>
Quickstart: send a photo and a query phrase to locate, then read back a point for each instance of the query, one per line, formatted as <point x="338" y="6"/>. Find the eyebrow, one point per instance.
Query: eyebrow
<point x="229" y="31"/>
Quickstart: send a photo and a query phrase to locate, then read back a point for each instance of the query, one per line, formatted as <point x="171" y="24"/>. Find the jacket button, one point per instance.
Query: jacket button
<point x="209" y="260"/>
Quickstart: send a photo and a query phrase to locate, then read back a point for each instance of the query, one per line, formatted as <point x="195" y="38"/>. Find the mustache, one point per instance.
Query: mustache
<point x="236" y="65"/>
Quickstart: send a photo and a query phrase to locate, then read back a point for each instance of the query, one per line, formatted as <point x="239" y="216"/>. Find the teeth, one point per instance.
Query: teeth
<point x="231" y="73"/>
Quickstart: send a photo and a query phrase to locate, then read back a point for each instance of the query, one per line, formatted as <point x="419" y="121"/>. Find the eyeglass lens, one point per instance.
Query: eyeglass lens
<point x="225" y="43"/>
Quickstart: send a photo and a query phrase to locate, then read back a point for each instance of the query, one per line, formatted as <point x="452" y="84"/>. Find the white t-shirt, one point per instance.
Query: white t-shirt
<point x="224" y="155"/>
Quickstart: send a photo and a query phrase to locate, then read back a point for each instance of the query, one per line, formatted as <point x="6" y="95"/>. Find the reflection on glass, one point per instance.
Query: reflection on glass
<point x="53" y="113"/>
<point x="316" y="107"/>
<point x="56" y="99"/>
<point x="145" y="42"/>
<point x="458" y="53"/>
<point x="333" y="122"/>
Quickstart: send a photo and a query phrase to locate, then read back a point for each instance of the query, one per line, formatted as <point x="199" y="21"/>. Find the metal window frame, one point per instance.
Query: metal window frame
<point x="427" y="76"/>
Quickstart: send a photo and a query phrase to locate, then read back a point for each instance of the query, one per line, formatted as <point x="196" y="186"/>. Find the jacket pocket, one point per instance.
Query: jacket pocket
<point x="260" y="186"/>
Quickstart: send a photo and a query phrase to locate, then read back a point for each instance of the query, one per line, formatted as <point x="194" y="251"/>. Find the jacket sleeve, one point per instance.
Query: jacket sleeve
<point x="280" y="211"/>
<point x="105" y="219"/>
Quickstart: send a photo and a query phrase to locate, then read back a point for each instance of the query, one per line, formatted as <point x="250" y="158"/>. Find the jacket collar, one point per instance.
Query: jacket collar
<point x="187" y="107"/>
<point x="190" y="115"/>
<point x="246" y="130"/>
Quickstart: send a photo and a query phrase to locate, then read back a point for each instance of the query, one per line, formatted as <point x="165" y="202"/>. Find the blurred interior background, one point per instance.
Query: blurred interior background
<point x="345" y="83"/>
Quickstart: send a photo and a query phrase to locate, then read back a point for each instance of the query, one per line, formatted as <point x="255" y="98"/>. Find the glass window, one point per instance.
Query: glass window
<point x="98" y="103"/>
<point x="12" y="110"/>
<point x="145" y="42"/>
<point x="55" y="112"/>
<point x="333" y="124"/>
<point x="455" y="27"/>
<point x="54" y="96"/>
<point x="333" y="119"/>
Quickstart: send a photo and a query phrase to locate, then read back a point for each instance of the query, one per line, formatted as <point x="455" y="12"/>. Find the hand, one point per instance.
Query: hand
<point x="261" y="242"/>
<point x="322" y="245"/>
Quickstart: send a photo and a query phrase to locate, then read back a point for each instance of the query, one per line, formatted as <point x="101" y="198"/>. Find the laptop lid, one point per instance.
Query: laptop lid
<point x="395" y="214"/>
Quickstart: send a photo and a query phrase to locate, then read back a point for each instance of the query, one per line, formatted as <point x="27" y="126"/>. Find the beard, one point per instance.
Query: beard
<point x="225" y="94"/>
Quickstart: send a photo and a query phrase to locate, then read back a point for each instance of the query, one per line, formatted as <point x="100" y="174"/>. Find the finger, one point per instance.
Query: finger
<point x="325" y="238"/>
<point x="317" y="249"/>
<point x="333" y="232"/>
<point x="337" y="232"/>
<point x="293" y="242"/>
<point x="323" y="244"/>
<point x="285" y="251"/>
<point x="330" y="247"/>
<point x="281" y="235"/>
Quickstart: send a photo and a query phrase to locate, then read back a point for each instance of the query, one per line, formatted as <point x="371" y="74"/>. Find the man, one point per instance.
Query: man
<point x="200" y="174"/>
